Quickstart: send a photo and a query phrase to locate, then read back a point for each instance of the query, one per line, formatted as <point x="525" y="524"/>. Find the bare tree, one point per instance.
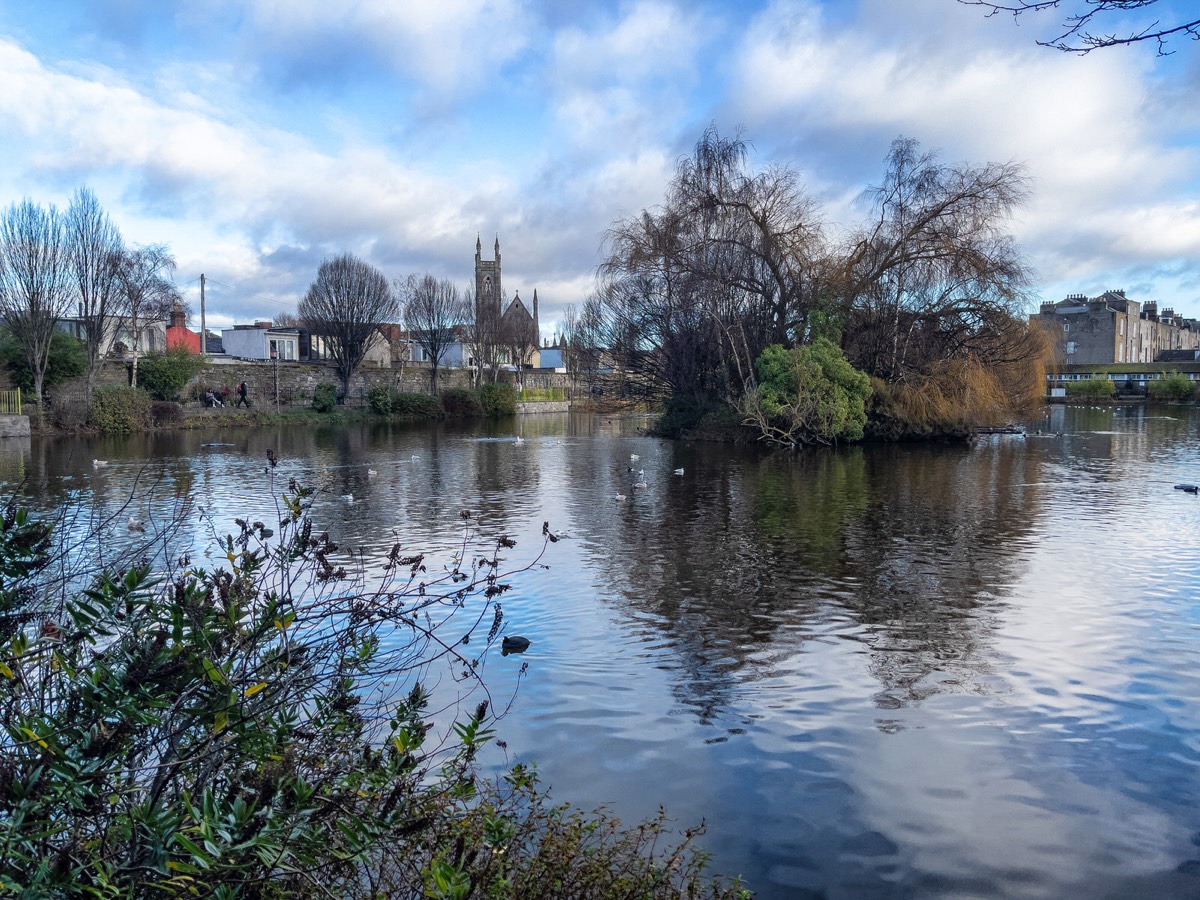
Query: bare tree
<point x="433" y="311"/>
<point x="96" y="253"/>
<point x="935" y="275"/>
<point x="148" y="293"/>
<point x="518" y="334"/>
<point x="35" y="281"/>
<point x="1088" y="25"/>
<point x="583" y="331"/>
<point x="483" y="336"/>
<point x="346" y="304"/>
<point x="733" y="262"/>
<point x="287" y="320"/>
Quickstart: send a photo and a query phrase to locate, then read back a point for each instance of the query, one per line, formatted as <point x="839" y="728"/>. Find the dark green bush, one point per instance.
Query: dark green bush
<point x="120" y="410"/>
<point x="165" y="374"/>
<point x="68" y="359"/>
<point x="498" y="399"/>
<point x="1175" y="386"/>
<point x="219" y="733"/>
<point x="324" y="397"/>
<point x="1095" y="388"/>
<point x="381" y="398"/>
<point x="461" y="403"/>
<point x="417" y="406"/>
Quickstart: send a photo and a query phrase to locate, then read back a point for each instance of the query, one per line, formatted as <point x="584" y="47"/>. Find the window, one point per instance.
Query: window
<point x="1070" y="347"/>
<point x="1066" y="326"/>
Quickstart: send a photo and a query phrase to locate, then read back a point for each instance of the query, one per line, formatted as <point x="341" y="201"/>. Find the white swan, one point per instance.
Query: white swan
<point x="633" y="457"/>
<point x="619" y="497"/>
<point x="640" y="483"/>
<point x="99" y="463"/>
<point x="135" y="524"/>
<point x="371" y="473"/>
<point x="349" y="498"/>
<point x="679" y="471"/>
<point x="520" y="440"/>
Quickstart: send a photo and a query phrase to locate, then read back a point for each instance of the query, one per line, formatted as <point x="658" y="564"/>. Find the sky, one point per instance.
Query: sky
<point x="258" y="137"/>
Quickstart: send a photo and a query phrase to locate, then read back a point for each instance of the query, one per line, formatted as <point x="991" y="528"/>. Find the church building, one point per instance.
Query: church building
<point x="515" y="321"/>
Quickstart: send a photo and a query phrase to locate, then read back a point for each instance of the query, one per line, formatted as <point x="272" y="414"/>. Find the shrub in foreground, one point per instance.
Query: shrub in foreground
<point x="224" y="732"/>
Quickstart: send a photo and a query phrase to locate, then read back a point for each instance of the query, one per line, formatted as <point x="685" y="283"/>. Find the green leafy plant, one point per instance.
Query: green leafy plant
<point x="418" y="406"/>
<point x="120" y="410"/>
<point x="221" y="732"/>
<point x="461" y="403"/>
<point x="68" y="359"/>
<point x="498" y="399"/>
<point x="1175" y="386"/>
<point x="808" y="394"/>
<point x="324" y="397"/>
<point x="1092" y="389"/>
<point x="165" y="373"/>
<point x="381" y="398"/>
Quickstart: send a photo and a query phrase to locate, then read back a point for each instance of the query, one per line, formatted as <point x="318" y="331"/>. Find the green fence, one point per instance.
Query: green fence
<point x="539" y="395"/>
<point x="10" y="403"/>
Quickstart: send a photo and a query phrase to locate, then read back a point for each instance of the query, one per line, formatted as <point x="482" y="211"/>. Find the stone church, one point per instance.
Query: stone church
<point x="511" y="319"/>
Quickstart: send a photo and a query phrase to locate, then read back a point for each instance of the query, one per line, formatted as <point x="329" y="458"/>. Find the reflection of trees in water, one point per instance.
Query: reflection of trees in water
<point x="934" y="556"/>
<point x="916" y="544"/>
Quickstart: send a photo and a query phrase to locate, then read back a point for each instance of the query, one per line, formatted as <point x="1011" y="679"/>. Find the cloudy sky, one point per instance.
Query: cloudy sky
<point x="257" y="137"/>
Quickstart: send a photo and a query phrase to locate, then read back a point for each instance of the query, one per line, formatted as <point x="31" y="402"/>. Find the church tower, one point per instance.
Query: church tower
<point x="488" y="289"/>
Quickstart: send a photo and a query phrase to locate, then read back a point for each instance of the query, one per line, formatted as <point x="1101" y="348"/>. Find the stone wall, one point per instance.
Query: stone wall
<point x="296" y="381"/>
<point x="14" y="426"/>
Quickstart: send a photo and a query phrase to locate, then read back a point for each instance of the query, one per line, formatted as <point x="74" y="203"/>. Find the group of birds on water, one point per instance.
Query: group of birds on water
<point x="640" y="475"/>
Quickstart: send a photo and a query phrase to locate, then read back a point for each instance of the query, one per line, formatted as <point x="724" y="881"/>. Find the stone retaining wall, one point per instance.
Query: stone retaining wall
<point x="14" y="426"/>
<point x="296" y="381"/>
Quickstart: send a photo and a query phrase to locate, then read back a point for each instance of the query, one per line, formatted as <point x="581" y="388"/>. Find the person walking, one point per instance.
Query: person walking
<point x="241" y="396"/>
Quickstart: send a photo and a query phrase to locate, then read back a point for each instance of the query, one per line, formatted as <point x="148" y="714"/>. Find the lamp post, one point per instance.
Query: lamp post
<point x="275" y="373"/>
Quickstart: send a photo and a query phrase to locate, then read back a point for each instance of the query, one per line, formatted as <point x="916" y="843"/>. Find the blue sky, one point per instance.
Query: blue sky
<point x="257" y="138"/>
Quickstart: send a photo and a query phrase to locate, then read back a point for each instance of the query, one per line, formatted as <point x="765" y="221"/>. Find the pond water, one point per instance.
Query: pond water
<point x="896" y="671"/>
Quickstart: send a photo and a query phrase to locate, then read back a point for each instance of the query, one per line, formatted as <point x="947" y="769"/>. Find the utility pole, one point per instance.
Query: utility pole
<point x="203" y="330"/>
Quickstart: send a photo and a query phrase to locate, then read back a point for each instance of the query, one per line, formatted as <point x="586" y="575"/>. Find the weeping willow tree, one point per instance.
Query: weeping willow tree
<point x="731" y="263"/>
<point x="936" y="288"/>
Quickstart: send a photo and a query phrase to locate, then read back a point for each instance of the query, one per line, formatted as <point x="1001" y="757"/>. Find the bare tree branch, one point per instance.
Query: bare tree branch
<point x="1087" y="25"/>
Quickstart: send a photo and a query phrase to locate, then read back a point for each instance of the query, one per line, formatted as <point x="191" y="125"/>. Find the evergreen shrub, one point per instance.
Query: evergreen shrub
<point x="1175" y="386"/>
<point x="1092" y="389"/>
<point x="498" y="399"/>
<point x="165" y="374"/>
<point x="417" y="406"/>
<point x="121" y="410"/>
<point x="461" y="403"/>
<point x="324" y="397"/>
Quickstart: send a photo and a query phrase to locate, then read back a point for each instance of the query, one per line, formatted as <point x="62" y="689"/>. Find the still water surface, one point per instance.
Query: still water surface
<point x="900" y="671"/>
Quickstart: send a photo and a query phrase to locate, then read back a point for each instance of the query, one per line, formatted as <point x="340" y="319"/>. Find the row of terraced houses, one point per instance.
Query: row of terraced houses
<point x="1111" y="328"/>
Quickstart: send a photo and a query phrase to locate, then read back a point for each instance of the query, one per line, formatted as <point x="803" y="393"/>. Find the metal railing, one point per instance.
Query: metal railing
<point x="10" y="402"/>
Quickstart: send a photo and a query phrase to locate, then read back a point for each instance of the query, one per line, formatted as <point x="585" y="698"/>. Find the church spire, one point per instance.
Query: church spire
<point x="478" y="247"/>
<point x="497" y="249"/>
